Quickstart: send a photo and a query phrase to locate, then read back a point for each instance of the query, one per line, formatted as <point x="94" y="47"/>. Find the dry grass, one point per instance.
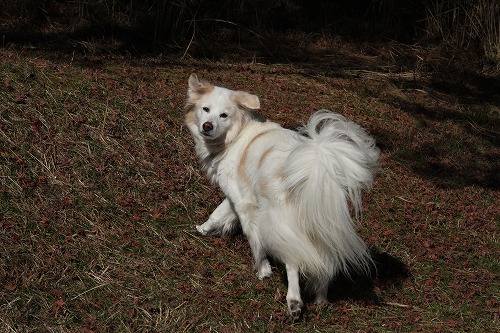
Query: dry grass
<point x="467" y="25"/>
<point x="100" y="193"/>
<point x="468" y="31"/>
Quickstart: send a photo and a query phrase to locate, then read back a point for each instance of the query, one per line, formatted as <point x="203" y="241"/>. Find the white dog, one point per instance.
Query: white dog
<point x="289" y="190"/>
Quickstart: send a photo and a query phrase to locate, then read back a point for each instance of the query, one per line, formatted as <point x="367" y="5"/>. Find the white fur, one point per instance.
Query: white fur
<point x="289" y="190"/>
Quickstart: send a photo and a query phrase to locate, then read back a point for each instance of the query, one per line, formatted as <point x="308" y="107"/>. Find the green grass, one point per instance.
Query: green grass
<point x="101" y="192"/>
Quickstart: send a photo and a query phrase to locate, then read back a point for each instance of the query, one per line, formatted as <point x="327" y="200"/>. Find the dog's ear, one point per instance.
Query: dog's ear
<point x="246" y="100"/>
<point x="198" y="87"/>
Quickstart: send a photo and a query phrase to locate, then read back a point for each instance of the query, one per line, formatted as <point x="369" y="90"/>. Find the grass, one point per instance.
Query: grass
<point x="101" y="192"/>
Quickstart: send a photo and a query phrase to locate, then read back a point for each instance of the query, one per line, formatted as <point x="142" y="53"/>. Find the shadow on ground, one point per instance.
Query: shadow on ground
<point x="457" y="142"/>
<point x="389" y="272"/>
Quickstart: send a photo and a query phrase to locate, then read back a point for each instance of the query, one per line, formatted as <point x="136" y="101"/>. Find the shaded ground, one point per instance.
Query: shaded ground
<point x="101" y="192"/>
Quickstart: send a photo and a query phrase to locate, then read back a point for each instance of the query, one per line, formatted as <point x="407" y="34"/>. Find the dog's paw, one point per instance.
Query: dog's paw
<point x="264" y="270"/>
<point x="203" y="229"/>
<point x="295" y="308"/>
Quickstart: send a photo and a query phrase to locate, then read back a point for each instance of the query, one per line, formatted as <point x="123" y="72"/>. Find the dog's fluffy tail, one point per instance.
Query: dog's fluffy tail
<point x="333" y="162"/>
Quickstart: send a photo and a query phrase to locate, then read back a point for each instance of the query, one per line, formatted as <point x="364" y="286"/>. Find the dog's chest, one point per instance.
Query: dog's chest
<point x="224" y="171"/>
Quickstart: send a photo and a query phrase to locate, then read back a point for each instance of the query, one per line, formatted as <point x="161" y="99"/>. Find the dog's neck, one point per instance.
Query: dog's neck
<point x="212" y="148"/>
<point x="209" y="152"/>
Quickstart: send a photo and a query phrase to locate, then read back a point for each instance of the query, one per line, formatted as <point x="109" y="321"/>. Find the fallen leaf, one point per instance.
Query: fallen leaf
<point x="10" y="286"/>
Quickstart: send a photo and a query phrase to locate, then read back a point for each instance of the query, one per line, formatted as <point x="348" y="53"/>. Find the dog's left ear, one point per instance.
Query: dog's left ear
<point x="246" y="100"/>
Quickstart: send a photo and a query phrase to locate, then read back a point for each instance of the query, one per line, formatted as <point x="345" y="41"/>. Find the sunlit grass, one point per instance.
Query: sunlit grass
<point x="101" y="192"/>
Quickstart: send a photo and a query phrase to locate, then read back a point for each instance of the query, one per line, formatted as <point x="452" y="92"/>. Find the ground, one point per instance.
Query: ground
<point x="101" y="192"/>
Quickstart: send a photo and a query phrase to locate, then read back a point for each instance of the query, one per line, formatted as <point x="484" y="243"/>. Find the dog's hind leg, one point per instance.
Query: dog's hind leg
<point x="221" y="221"/>
<point x="322" y="294"/>
<point x="293" y="298"/>
<point x="320" y="288"/>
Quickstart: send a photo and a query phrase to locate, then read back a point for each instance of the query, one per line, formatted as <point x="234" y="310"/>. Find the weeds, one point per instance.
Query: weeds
<point x="466" y="31"/>
<point x="466" y="25"/>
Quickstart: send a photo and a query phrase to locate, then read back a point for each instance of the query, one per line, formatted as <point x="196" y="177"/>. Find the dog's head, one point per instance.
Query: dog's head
<point x="215" y="113"/>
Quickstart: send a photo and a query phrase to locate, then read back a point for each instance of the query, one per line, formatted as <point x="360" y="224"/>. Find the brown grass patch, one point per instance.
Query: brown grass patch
<point x="101" y="192"/>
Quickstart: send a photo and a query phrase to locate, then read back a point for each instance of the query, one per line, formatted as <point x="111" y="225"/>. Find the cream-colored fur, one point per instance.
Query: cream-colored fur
<point x="289" y="190"/>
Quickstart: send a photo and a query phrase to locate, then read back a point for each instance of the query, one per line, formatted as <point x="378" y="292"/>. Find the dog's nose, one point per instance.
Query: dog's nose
<point x="208" y="126"/>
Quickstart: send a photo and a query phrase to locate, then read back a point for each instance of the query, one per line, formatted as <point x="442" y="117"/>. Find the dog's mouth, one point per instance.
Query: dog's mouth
<point x="207" y="135"/>
<point x="211" y="138"/>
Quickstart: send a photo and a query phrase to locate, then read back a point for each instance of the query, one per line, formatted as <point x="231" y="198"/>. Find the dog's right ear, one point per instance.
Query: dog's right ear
<point x="198" y="87"/>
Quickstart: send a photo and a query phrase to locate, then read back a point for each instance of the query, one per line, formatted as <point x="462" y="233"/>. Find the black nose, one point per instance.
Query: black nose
<point x="207" y="127"/>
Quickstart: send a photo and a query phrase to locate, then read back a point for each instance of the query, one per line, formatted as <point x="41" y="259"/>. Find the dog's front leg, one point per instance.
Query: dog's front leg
<point x="221" y="221"/>
<point x="247" y="215"/>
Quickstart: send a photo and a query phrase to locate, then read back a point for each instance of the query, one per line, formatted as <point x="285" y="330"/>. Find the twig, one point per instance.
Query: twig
<point x="414" y="89"/>
<point x="180" y="305"/>
<point x="198" y="239"/>
<point x="8" y="326"/>
<point x="236" y="25"/>
<point x="86" y="291"/>
<point x="232" y="23"/>
<point x="191" y="41"/>
<point x="6" y="137"/>
<point x="405" y="200"/>
<point x="399" y="305"/>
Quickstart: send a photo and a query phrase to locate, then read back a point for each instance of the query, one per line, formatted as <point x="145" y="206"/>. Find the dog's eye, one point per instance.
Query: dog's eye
<point x="223" y="115"/>
<point x="206" y="109"/>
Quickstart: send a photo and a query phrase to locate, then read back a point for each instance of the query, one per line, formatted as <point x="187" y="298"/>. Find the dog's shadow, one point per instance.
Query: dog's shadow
<point x="388" y="272"/>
